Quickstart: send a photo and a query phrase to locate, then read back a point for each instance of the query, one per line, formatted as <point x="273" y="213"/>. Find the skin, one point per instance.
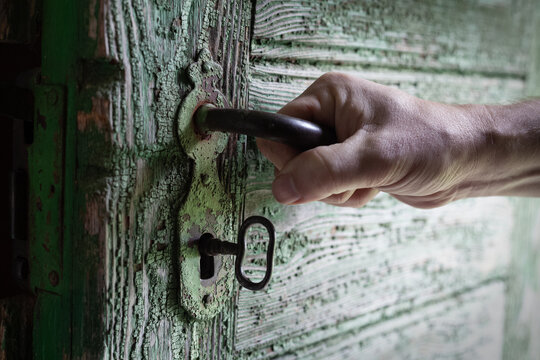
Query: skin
<point x="423" y="153"/>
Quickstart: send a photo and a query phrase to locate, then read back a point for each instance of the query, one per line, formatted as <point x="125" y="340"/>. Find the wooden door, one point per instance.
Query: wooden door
<point x="136" y="177"/>
<point x="384" y="281"/>
<point x="388" y="280"/>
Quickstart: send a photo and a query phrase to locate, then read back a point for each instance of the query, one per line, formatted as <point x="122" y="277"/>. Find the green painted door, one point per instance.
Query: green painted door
<point x="383" y="282"/>
<point x="390" y="281"/>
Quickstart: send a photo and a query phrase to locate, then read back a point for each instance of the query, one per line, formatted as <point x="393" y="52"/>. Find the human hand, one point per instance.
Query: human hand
<point x="423" y="153"/>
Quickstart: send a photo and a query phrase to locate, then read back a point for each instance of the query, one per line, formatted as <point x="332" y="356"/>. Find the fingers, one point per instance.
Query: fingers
<point x="316" y="104"/>
<point x="323" y="172"/>
<point x="352" y="198"/>
<point x="430" y="201"/>
<point x="361" y="197"/>
<point x="317" y="174"/>
<point x="303" y="107"/>
<point x="307" y="107"/>
<point x="278" y="154"/>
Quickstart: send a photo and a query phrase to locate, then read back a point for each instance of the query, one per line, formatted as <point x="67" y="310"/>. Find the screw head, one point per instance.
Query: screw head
<point x="208" y="299"/>
<point x="205" y="179"/>
<point x="205" y="67"/>
<point x="54" y="278"/>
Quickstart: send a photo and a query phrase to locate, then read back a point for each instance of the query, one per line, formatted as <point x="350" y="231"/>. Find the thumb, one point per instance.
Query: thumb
<point x="318" y="173"/>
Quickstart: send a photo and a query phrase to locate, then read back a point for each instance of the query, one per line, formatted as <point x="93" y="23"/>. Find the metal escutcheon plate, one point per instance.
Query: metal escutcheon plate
<point x="207" y="207"/>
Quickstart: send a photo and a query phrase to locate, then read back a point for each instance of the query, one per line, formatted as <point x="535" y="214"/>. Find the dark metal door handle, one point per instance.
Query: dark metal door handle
<point x="298" y="133"/>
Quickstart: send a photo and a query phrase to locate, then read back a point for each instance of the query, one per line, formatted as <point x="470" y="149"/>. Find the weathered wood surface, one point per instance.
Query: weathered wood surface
<point x="522" y="322"/>
<point x="133" y="174"/>
<point x="19" y="21"/>
<point x="522" y="325"/>
<point x="16" y="327"/>
<point x="470" y="36"/>
<point x="340" y="271"/>
<point x="272" y="85"/>
<point x="386" y="281"/>
<point x="471" y="319"/>
<point x="390" y="281"/>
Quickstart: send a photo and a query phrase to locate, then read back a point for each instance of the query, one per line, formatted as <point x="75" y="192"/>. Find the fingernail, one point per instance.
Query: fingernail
<point x="284" y="189"/>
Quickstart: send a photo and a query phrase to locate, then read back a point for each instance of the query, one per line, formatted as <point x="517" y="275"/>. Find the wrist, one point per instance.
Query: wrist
<point x="466" y="136"/>
<point x="507" y="149"/>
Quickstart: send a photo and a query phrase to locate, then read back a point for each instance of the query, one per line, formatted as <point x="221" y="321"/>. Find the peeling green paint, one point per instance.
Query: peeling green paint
<point x="146" y="184"/>
<point x="207" y="207"/>
<point x="141" y="182"/>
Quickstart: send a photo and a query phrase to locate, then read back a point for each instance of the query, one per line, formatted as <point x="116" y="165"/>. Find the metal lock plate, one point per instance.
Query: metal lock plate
<point x="207" y="207"/>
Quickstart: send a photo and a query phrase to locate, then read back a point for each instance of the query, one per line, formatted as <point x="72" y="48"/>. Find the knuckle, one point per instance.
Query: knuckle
<point x="326" y="164"/>
<point x="334" y="77"/>
<point x="427" y="201"/>
<point x="339" y="199"/>
<point x="314" y="177"/>
<point x="377" y="161"/>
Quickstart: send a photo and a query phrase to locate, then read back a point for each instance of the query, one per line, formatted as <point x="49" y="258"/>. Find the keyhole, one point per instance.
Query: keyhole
<point x="207" y="267"/>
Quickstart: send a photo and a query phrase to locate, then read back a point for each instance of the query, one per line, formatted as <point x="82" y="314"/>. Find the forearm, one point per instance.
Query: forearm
<point x="423" y="153"/>
<point x="508" y="160"/>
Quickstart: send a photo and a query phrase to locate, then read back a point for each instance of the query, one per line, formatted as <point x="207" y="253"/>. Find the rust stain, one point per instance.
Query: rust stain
<point x="160" y="225"/>
<point x="91" y="217"/>
<point x="101" y="48"/>
<point x="56" y="177"/>
<point x="96" y="26"/>
<point x="54" y="278"/>
<point x="51" y="191"/>
<point x="92" y="20"/>
<point x="98" y="116"/>
<point x="39" y="204"/>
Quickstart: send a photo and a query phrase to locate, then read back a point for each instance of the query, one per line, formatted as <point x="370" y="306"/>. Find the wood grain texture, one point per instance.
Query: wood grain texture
<point x="468" y="36"/>
<point x="390" y="281"/>
<point x="16" y="326"/>
<point x="133" y="173"/>
<point x="522" y="323"/>
<point x="342" y="270"/>
<point x="273" y="84"/>
<point x="19" y="21"/>
<point x="471" y="320"/>
<point x="384" y="281"/>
